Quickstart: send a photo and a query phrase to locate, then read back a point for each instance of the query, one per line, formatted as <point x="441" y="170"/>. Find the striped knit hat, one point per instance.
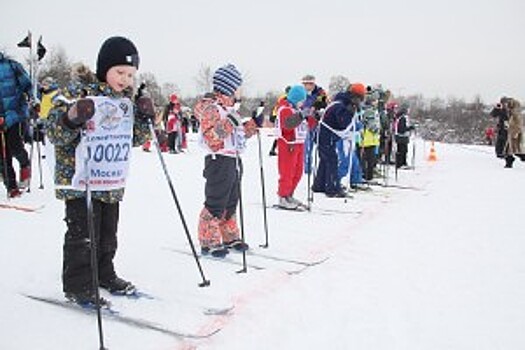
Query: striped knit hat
<point x="226" y="80"/>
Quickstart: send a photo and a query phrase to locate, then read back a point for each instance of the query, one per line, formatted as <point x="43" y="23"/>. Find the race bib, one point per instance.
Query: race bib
<point x="106" y="146"/>
<point x="301" y="131"/>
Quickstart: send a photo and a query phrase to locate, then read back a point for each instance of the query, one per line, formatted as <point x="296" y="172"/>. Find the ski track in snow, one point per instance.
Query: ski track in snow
<point x="441" y="268"/>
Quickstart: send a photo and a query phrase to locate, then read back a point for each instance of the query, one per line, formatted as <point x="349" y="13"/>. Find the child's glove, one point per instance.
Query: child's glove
<point x="82" y="111"/>
<point x="234" y="118"/>
<point x="145" y="108"/>
<point x="294" y="120"/>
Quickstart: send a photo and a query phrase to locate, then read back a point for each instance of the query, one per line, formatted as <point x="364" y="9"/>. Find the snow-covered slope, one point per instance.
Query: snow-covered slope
<point x="441" y="266"/>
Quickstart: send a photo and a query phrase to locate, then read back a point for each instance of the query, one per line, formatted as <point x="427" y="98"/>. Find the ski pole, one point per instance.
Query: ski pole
<point x="41" y="187"/>
<point x="351" y="151"/>
<point x="308" y="164"/>
<point x="4" y="160"/>
<point x="396" y="156"/>
<point x="31" y="130"/>
<point x="241" y="212"/>
<point x="313" y="169"/>
<point x="263" y="193"/>
<point x="388" y="158"/>
<point x="414" y="151"/>
<point x="204" y="282"/>
<point x="39" y="154"/>
<point x="92" y="242"/>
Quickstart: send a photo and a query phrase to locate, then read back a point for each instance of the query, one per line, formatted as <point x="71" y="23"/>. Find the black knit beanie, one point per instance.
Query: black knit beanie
<point x="116" y="51"/>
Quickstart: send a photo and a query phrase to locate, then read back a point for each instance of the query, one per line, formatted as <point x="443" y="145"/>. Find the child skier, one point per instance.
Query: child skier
<point x="402" y="136"/>
<point x="223" y="135"/>
<point x="103" y="127"/>
<point x="290" y="129"/>
<point x="370" y="142"/>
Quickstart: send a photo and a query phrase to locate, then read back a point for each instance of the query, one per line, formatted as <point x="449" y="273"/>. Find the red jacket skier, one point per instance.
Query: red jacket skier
<point x="291" y="130"/>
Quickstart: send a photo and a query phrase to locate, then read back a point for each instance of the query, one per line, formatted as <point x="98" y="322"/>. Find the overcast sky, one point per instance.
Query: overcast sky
<point x="438" y="48"/>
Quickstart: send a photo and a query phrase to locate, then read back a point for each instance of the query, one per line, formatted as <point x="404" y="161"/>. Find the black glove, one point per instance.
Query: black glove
<point x="145" y="108"/>
<point x="82" y="111"/>
<point x="320" y="103"/>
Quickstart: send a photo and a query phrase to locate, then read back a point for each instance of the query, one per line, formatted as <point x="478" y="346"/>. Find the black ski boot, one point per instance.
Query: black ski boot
<point x="509" y="160"/>
<point x="87" y="299"/>
<point x="237" y="245"/>
<point x="118" y="286"/>
<point x="219" y="251"/>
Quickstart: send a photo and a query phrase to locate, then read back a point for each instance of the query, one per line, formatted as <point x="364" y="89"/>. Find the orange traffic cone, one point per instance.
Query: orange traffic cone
<point x="432" y="157"/>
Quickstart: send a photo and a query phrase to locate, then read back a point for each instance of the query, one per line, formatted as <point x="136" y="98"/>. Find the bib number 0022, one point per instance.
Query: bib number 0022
<point x="111" y="152"/>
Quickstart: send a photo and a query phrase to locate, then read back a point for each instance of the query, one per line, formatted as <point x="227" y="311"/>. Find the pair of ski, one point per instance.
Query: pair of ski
<point x="396" y="186"/>
<point x="316" y="210"/>
<point x="116" y="316"/>
<point x="298" y="265"/>
<point x="22" y="207"/>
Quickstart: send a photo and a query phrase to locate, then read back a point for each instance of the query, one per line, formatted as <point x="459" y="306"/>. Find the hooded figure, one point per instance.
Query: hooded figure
<point x="335" y="125"/>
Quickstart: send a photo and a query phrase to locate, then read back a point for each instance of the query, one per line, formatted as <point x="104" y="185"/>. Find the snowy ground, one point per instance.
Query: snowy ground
<point x="442" y="267"/>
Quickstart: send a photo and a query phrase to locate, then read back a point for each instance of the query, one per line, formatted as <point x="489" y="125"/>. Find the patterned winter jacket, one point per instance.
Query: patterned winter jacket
<point x="215" y="130"/>
<point x="14" y="83"/>
<point x="66" y="139"/>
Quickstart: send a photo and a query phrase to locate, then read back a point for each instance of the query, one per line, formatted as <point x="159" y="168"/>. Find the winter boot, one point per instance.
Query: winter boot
<point x="218" y="251"/>
<point x="14" y="193"/>
<point x="118" y="286"/>
<point x="296" y="201"/>
<point x="286" y="203"/>
<point x="25" y="176"/>
<point x="237" y="245"/>
<point x="87" y="300"/>
<point x="509" y="160"/>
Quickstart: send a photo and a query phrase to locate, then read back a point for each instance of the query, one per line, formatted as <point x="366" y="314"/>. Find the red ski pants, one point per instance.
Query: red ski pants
<point x="290" y="162"/>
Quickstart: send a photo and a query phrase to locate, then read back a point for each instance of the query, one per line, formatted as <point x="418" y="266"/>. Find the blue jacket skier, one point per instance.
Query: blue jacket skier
<point x="15" y="91"/>
<point x="334" y="125"/>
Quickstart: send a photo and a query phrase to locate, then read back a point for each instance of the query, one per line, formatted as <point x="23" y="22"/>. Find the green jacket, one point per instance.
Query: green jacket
<point x="66" y="139"/>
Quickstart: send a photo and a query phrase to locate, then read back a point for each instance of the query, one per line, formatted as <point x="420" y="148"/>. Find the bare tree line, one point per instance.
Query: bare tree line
<point x="453" y="120"/>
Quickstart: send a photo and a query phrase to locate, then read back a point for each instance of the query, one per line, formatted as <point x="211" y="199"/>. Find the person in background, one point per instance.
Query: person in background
<point x="514" y="145"/>
<point x="501" y="113"/>
<point x="489" y="135"/>
<point x="402" y="130"/>
<point x="15" y="94"/>
<point x="273" y="117"/>
<point x="316" y="102"/>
